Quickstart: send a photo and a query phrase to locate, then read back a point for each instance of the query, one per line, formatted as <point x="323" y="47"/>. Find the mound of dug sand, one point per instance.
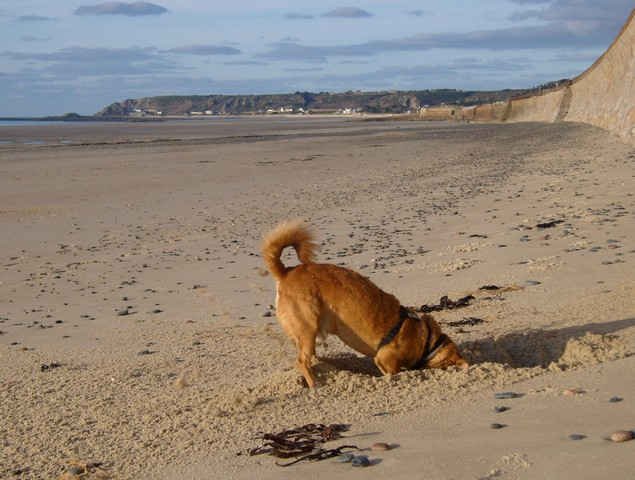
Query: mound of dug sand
<point x="547" y="349"/>
<point x="351" y="385"/>
<point x="592" y="349"/>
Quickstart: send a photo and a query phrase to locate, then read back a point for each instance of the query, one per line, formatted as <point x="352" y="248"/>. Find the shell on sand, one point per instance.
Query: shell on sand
<point x="380" y="446"/>
<point x="621" y="436"/>
<point x="572" y="391"/>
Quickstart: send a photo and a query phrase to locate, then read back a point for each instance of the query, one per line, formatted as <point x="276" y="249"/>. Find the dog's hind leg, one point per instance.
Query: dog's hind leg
<point x="301" y="323"/>
<point x="306" y="351"/>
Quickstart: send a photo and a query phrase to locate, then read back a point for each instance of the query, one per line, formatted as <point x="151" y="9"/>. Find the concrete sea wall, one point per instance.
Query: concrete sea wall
<point x="603" y="95"/>
<point x="536" y="108"/>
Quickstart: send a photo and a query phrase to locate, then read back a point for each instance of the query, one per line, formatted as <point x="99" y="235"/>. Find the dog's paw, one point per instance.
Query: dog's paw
<point x="302" y="382"/>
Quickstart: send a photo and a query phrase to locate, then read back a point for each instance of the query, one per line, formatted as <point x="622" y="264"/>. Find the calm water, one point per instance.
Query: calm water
<point x="22" y="123"/>
<point x="231" y="129"/>
<point x="54" y="133"/>
<point x="5" y="139"/>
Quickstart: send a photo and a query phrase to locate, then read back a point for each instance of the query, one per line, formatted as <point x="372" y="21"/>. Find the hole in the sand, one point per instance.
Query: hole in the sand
<point x="565" y="347"/>
<point x="561" y="349"/>
<point x="348" y="362"/>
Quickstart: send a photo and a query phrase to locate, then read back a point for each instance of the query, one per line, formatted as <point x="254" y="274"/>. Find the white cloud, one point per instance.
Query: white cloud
<point x="133" y="9"/>
<point x="348" y="12"/>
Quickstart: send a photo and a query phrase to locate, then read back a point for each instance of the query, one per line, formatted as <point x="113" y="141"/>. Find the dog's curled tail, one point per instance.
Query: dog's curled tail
<point x="287" y="234"/>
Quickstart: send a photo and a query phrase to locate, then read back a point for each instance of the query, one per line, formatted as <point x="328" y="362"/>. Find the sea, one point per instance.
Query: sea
<point x="22" y="123"/>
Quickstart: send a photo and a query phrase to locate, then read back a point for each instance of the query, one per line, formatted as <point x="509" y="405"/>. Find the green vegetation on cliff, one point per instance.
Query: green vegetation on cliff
<point x="369" y="102"/>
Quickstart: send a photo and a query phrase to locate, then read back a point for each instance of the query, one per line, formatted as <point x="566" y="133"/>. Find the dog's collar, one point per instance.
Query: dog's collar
<point x="404" y="314"/>
<point x="430" y="352"/>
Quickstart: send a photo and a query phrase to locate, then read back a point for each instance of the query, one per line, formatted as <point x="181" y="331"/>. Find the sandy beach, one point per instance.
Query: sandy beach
<point x="136" y="322"/>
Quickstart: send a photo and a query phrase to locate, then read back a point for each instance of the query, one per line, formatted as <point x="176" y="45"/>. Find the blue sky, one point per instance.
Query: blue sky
<point x="62" y="56"/>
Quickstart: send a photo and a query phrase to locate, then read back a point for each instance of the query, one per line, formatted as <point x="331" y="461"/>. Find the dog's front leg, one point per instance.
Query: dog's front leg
<point x="387" y="361"/>
<point x="306" y="351"/>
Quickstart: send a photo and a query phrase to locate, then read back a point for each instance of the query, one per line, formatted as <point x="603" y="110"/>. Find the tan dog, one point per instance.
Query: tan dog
<point x="319" y="299"/>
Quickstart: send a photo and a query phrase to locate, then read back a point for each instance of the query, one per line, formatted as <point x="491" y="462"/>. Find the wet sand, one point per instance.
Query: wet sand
<point x="135" y="317"/>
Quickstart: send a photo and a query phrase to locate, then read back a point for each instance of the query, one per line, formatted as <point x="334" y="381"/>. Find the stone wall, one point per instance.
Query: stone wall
<point x="439" y="113"/>
<point x="491" y="112"/>
<point x="603" y="95"/>
<point x="537" y="108"/>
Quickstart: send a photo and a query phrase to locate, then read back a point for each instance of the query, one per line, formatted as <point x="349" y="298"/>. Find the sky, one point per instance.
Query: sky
<point x="79" y="56"/>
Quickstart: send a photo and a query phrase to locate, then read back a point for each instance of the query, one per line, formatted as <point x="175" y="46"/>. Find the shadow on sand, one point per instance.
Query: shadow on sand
<point x="539" y="348"/>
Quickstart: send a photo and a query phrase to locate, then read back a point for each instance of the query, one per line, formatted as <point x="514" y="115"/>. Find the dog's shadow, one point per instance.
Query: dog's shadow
<point x="523" y="349"/>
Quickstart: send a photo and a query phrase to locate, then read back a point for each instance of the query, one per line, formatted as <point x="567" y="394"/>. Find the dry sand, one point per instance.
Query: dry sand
<point x="130" y="259"/>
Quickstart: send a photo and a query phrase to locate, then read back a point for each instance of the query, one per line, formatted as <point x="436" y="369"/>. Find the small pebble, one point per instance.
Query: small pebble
<point x="380" y="446"/>
<point x="44" y="367"/>
<point x="621" y="436"/>
<point x="500" y="409"/>
<point x="577" y="436"/>
<point x="615" y="399"/>
<point x="345" y="458"/>
<point x="572" y="391"/>
<point x="180" y="382"/>
<point x="507" y="395"/>
<point x="497" y="426"/>
<point x="360" y="461"/>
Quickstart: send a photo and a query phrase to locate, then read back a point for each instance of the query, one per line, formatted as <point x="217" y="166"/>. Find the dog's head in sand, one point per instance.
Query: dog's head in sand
<point x="440" y="351"/>
<point x="318" y="299"/>
<point x="448" y="356"/>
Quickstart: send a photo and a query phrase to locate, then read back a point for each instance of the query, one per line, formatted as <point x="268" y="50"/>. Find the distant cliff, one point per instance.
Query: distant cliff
<point x="369" y="102"/>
